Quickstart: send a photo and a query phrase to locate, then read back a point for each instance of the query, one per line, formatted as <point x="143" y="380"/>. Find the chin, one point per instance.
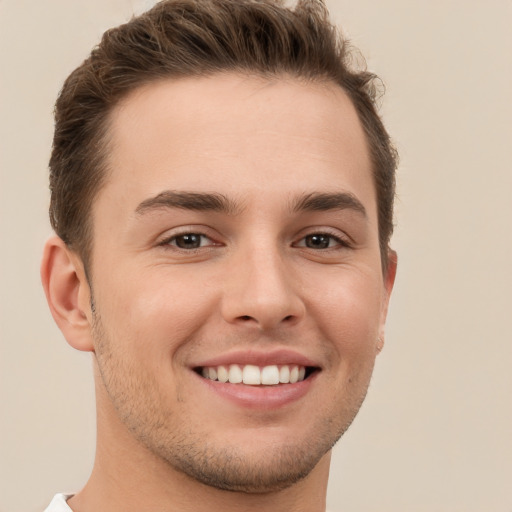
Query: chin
<point x="235" y="470"/>
<point x="258" y="463"/>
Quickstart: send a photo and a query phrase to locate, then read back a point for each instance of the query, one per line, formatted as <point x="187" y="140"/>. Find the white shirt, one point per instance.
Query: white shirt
<point x="59" y="504"/>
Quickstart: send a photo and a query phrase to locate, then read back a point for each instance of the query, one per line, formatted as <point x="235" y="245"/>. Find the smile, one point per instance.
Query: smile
<point x="257" y="380"/>
<point x="252" y="375"/>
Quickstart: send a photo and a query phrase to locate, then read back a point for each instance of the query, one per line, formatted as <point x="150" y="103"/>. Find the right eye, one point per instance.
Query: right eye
<point x="189" y="241"/>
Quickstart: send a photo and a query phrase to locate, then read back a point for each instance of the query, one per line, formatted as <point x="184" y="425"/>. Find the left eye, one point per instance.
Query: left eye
<point x="189" y="241"/>
<point x="320" y="241"/>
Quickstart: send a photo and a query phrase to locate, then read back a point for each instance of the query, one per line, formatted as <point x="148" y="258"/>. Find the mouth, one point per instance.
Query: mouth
<point x="253" y="375"/>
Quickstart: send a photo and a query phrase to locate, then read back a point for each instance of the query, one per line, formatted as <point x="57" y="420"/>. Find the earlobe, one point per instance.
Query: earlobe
<point x="67" y="292"/>
<point x="389" y="278"/>
<point x="389" y="281"/>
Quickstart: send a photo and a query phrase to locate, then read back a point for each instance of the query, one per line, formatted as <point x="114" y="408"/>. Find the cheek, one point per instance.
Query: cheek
<point x="348" y="313"/>
<point x="152" y="311"/>
<point x="348" y="317"/>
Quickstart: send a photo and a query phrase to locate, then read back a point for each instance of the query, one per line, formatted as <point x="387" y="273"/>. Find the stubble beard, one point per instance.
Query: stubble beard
<point x="168" y="435"/>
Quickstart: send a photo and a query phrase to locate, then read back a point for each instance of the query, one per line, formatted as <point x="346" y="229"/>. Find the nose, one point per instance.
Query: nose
<point x="262" y="291"/>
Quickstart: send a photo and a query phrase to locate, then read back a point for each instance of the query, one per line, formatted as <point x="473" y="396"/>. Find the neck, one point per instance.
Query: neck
<point x="123" y="482"/>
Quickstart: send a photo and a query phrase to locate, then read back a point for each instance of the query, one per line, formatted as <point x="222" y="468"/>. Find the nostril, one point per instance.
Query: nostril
<point x="245" y="317"/>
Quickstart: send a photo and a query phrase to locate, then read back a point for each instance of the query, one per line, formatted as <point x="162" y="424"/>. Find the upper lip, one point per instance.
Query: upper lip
<point x="259" y="358"/>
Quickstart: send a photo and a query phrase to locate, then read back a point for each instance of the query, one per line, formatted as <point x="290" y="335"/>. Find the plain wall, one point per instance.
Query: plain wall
<point x="435" y="433"/>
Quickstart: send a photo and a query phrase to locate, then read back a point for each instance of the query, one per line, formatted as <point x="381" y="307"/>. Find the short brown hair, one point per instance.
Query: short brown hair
<point x="179" y="38"/>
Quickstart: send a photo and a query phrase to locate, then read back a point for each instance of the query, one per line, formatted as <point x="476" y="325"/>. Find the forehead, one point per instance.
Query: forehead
<point x="238" y="134"/>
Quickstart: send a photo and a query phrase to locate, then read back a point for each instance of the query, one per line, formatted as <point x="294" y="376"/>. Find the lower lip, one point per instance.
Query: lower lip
<point x="260" y="397"/>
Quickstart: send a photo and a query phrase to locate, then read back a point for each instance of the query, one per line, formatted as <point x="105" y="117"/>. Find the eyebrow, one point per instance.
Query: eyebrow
<point x="198" y="201"/>
<point x="322" y="201"/>
<point x="203" y="201"/>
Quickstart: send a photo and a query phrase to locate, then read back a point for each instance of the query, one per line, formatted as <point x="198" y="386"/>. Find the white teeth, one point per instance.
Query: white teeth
<point x="222" y="374"/>
<point x="251" y="375"/>
<point x="270" y="375"/>
<point x="284" y="375"/>
<point x="254" y="375"/>
<point x="294" y="374"/>
<point x="235" y="374"/>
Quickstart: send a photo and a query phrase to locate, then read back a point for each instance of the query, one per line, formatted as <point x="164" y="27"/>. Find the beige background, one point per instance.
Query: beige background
<point x="435" y="433"/>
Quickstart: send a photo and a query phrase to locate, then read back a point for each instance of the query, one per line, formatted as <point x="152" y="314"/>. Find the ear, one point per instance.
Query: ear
<point x="68" y="293"/>
<point x="389" y="281"/>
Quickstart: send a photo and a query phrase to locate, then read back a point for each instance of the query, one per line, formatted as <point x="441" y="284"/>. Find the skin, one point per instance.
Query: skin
<point x="256" y="283"/>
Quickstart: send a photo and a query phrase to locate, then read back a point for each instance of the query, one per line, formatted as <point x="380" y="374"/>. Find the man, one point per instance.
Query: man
<point x="222" y="193"/>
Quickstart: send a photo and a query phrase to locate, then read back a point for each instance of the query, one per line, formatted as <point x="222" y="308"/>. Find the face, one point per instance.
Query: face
<point x="236" y="276"/>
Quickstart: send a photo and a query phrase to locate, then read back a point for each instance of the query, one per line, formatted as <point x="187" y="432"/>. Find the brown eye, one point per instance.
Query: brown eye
<point x="318" y="241"/>
<point x="188" y="241"/>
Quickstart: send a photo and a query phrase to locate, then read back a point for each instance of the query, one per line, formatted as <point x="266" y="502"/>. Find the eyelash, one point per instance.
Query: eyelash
<point x="340" y="242"/>
<point x="172" y="241"/>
